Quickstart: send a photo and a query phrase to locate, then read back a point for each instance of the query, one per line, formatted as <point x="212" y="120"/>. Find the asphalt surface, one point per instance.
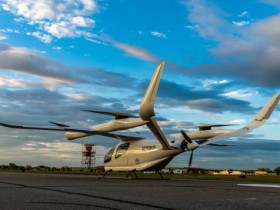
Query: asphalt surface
<point x="44" y="191"/>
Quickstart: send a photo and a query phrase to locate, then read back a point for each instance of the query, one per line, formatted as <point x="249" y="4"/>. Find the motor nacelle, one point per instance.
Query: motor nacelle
<point x="71" y="135"/>
<point x="191" y="146"/>
<point x="179" y="144"/>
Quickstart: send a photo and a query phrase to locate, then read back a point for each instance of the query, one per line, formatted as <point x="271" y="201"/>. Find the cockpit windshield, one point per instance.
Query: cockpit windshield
<point x="121" y="150"/>
<point x="108" y="157"/>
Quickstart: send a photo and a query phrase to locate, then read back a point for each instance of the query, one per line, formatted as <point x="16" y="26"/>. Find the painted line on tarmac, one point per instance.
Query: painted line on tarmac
<point x="260" y="185"/>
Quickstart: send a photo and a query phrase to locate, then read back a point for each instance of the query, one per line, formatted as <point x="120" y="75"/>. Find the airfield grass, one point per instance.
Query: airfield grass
<point x="247" y="178"/>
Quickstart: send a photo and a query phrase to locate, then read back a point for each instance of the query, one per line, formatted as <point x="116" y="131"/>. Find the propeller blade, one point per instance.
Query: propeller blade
<point x="191" y="159"/>
<point x="118" y="115"/>
<point x="59" y="124"/>
<point x="186" y="137"/>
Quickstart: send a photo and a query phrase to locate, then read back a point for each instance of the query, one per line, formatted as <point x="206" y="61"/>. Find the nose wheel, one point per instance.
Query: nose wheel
<point x="106" y="172"/>
<point x="134" y="172"/>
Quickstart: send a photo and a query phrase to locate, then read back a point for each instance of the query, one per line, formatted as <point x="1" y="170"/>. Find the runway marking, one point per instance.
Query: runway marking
<point x="260" y="185"/>
<point x="88" y="195"/>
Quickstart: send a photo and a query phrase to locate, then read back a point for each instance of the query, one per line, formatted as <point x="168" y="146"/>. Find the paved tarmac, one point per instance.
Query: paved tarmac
<point x="45" y="191"/>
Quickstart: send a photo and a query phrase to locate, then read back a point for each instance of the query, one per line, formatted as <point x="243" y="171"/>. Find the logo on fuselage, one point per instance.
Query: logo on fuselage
<point x="148" y="147"/>
<point x="137" y="161"/>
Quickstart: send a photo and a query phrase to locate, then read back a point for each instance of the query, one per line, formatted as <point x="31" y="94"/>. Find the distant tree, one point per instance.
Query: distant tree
<point x="4" y="167"/>
<point x="21" y="168"/>
<point x="268" y="170"/>
<point x="54" y="169"/>
<point x="13" y="166"/>
<point x="43" y="168"/>
<point x="28" y="167"/>
<point x="65" y="168"/>
<point x="277" y="170"/>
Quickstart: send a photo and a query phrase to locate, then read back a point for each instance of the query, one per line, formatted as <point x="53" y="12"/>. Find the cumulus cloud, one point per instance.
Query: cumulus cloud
<point x="13" y="82"/>
<point x="211" y="100"/>
<point x="137" y="52"/>
<point x="244" y="93"/>
<point x="274" y="3"/>
<point x="241" y="23"/>
<point x="208" y="84"/>
<point x="243" y="14"/>
<point x="41" y="36"/>
<point x="159" y="34"/>
<point x="205" y="16"/>
<point x="51" y="18"/>
<point x="25" y="61"/>
<point x="61" y="19"/>
<point x="3" y="37"/>
<point x="249" y="53"/>
<point x="52" y="73"/>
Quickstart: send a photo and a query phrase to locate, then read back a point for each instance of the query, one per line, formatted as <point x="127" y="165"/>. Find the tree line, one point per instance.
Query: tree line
<point x="14" y="167"/>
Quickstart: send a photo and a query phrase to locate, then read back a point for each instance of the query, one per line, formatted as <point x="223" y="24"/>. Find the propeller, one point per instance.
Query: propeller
<point x="190" y="160"/>
<point x="188" y="139"/>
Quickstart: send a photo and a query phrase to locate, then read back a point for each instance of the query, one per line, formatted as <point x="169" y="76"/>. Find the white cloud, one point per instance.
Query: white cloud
<point x="250" y="53"/>
<point x="41" y="36"/>
<point x="240" y="93"/>
<point x="7" y="30"/>
<point x="209" y="83"/>
<point x="159" y="34"/>
<point x="243" y="14"/>
<point x="12" y="82"/>
<point x="241" y="23"/>
<point x="61" y="18"/>
<point x="137" y="52"/>
<point x="191" y="27"/>
<point x="82" y="22"/>
<point x="237" y="121"/>
<point x="57" y="48"/>
<point x="2" y="37"/>
<point x="26" y="61"/>
<point x="274" y="3"/>
<point x="207" y="19"/>
<point x="96" y="41"/>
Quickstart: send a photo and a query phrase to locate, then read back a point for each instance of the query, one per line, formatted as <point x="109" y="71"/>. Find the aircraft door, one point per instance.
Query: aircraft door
<point x="120" y="154"/>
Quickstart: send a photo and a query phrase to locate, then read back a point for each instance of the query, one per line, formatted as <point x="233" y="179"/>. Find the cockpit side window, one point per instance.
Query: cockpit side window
<point x="122" y="150"/>
<point x="108" y="157"/>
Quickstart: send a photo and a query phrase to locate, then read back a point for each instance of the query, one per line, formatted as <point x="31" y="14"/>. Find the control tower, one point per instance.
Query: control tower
<point x="88" y="157"/>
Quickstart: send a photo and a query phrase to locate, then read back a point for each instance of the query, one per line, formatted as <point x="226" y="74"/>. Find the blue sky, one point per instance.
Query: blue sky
<point x="60" y="56"/>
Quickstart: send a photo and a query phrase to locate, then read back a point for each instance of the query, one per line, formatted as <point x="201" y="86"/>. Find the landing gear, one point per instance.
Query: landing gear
<point x="160" y="174"/>
<point x="106" y="172"/>
<point x="129" y="172"/>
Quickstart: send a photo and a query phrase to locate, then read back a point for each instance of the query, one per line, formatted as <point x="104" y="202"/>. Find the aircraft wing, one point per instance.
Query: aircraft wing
<point x="146" y="109"/>
<point x="154" y="127"/>
<point x="121" y="135"/>
<point x="60" y="127"/>
<point x="31" y="127"/>
<point x="256" y="122"/>
<point x="66" y="128"/>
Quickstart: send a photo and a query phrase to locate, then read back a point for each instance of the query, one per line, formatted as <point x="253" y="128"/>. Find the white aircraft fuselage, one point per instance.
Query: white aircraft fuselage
<point x="140" y="155"/>
<point x="147" y="154"/>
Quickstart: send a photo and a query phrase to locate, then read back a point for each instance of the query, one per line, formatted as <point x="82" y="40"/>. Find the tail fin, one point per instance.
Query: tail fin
<point x="256" y="122"/>
<point x="265" y="112"/>
<point x="146" y="109"/>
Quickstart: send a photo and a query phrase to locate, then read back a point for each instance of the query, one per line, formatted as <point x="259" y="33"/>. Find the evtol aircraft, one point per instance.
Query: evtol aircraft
<point x="135" y="152"/>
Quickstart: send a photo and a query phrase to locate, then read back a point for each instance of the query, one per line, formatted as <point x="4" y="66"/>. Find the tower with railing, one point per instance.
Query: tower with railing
<point x="88" y="157"/>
